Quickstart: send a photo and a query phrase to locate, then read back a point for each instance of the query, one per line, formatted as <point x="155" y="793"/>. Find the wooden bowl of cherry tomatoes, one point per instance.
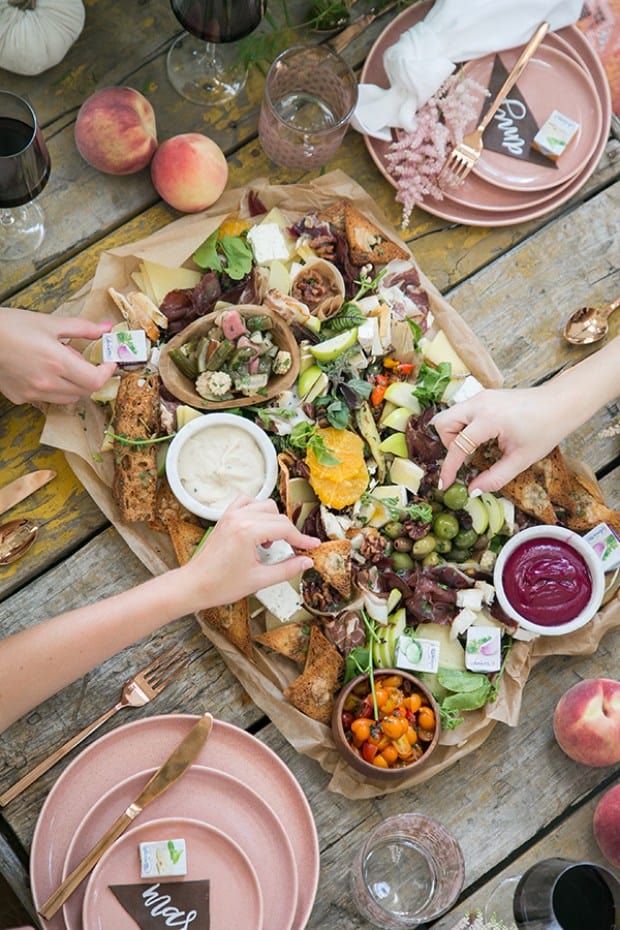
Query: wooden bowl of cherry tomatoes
<point x="386" y="736"/>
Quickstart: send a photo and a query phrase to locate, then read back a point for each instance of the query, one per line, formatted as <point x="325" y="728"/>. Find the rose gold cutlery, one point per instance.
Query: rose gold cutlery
<point x="139" y="690"/>
<point x="17" y="536"/>
<point x="172" y="769"/>
<point x="589" y="324"/>
<point x="339" y="42"/>
<point x="16" y="491"/>
<point x="465" y="155"/>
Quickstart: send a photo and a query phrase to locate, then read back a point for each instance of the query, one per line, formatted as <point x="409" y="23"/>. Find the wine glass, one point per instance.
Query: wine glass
<point x="208" y="69"/>
<point x="557" y="894"/>
<point x="24" y="170"/>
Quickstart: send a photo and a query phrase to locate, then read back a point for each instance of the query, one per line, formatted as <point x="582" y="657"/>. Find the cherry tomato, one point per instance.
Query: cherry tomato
<point x="380" y="761"/>
<point x="390" y="754"/>
<point x="360" y="728"/>
<point x="369" y="752"/>
<point x="381" y="695"/>
<point x="426" y="718"/>
<point x="394" y="727"/>
<point x="413" y="702"/>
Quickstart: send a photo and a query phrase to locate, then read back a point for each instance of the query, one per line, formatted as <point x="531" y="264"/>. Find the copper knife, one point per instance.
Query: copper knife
<point x="16" y="491"/>
<point x="164" y="777"/>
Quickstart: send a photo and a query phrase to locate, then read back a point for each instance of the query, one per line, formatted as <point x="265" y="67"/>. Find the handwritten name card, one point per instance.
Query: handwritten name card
<point x="166" y="905"/>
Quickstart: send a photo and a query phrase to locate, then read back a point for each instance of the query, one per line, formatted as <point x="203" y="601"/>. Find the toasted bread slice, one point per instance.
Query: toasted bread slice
<point x="169" y="509"/>
<point x="334" y="215"/>
<point x="332" y="560"/>
<point x="136" y="416"/>
<point x="290" y="640"/>
<point x="233" y="620"/>
<point x="586" y="507"/>
<point x="313" y="691"/>
<point x="185" y="537"/>
<point x="318" y="646"/>
<point x="367" y="243"/>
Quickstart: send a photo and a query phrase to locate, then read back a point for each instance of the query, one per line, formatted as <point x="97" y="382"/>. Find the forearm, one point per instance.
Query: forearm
<point x="577" y="393"/>
<point x="43" y="659"/>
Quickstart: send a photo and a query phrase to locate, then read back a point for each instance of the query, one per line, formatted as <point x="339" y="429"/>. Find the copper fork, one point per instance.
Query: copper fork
<point x="139" y="690"/>
<point x="465" y="155"/>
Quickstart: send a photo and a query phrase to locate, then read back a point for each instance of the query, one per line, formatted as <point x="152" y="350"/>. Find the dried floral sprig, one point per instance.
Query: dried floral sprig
<point x="475" y="921"/>
<point x="415" y="158"/>
<point x="610" y="431"/>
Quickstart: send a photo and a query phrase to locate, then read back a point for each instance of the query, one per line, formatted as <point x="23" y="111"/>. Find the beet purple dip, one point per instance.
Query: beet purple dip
<point x="547" y="581"/>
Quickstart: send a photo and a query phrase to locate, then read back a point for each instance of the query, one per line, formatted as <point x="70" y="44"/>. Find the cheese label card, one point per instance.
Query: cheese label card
<point x="127" y="347"/>
<point x="163" y="857"/>
<point x="171" y="904"/>
<point x="483" y="651"/>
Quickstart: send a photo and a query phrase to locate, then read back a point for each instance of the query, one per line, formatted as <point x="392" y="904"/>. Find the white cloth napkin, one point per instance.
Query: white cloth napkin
<point x="453" y="31"/>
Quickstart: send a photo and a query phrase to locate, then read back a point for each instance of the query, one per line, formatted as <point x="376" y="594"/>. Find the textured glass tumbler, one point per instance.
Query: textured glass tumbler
<point x="310" y="95"/>
<point x="408" y="871"/>
<point x="559" y="894"/>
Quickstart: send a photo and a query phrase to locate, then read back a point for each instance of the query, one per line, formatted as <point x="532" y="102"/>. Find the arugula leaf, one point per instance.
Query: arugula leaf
<point x="347" y="317"/>
<point x="431" y="383"/>
<point x="239" y="256"/>
<point x="206" y="255"/>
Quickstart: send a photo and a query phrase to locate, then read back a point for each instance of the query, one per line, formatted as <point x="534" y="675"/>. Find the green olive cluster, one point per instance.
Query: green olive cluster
<point x="449" y="537"/>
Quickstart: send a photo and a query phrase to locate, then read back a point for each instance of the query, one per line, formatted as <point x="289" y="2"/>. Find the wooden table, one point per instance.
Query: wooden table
<point x="517" y="798"/>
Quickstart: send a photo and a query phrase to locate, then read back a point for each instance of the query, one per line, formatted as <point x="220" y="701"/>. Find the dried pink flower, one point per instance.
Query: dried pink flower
<point x="416" y="158"/>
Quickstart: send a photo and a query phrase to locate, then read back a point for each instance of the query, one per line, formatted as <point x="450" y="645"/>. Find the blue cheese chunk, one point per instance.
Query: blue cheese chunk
<point x="282" y="600"/>
<point x="163" y="857"/>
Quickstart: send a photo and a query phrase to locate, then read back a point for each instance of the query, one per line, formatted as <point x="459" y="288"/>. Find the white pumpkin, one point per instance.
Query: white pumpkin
<point x="36" y="34"/>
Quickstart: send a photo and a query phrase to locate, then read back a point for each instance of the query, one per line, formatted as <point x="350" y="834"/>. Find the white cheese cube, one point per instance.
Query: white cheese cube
<point x="368" y="336"/>
<point x="469" y="597"/>
<point x="469" y="388"/>
<point x="268" y="243"/>
<point x="163" y="857"/>
<point x="462" y="621"/>
<point x="278" y="551"/>
<point x="488" y="591"/>
<point x="282" y="600"/>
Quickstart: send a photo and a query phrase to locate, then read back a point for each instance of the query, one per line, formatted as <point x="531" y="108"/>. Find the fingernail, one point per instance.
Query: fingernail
<point x="475" y="493"/>
<point x="306" y="564"/>
<point x="440" y="485"/>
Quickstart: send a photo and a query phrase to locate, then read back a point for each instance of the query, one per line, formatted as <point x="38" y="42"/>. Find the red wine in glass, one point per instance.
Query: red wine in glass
<point x="200" y="66"/>
<point x="24" y="171"/>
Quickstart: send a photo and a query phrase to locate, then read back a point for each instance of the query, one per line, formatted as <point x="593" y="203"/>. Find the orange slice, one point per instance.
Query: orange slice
<point x="344" y="445"/>
<point x="343" y="493"/>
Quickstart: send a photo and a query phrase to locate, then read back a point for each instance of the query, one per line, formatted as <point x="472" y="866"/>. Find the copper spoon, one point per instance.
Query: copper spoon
<point x="589" y="324"/>
<point x="16" y="538"/>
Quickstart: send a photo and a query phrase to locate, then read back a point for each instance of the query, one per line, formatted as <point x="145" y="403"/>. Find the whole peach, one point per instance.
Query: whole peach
<point x="115" y="130"/>
<point x="586" y="721"/>
<point x="189" y="171"/>
<point x="607" y="825"/>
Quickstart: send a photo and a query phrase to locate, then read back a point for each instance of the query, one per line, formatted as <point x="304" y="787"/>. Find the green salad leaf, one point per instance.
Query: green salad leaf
<point x="232" y="254"/>
<point x="431" y="383"/>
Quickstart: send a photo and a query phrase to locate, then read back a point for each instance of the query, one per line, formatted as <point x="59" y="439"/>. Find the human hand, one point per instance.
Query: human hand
<point x="228" y="567"/>
<point x="524" y="422"/>
<point x="35" y="363"/>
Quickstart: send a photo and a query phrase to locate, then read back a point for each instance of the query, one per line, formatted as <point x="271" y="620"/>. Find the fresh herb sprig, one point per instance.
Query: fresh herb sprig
<point x="129" y="441"/>
<point x="431" y="383"/>
<point x="304" y="436"/>
<point x="360" y="661"/>
<point x="419" y="510"/>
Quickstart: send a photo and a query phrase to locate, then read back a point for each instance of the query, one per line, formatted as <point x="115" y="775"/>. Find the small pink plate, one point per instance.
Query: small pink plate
<point x="551" y="81"/>
<point x="214" y="798"/>
<point x="234" y="895"/>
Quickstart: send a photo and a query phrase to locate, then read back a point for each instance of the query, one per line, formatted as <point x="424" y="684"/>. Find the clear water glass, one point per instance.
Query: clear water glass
<point x="310" y="95"/>
<point x="408" y="871"/>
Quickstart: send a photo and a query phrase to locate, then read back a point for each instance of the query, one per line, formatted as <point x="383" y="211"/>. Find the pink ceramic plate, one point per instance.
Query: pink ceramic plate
<point x="234" y="895"/>
<point x="491" y="205"/>
<point x="551" y="81"/>
<point x="215" y="798"/>
<point x="145" y="744"/>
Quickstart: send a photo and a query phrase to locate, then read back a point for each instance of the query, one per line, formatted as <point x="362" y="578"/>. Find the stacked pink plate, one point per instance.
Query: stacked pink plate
<point x="246" y="822"/>
<point x="500" y="190"/>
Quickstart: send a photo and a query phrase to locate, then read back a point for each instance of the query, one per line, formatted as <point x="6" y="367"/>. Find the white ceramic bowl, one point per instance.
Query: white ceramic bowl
<point x="588" y="554"/>
<point x="206" y="422"/>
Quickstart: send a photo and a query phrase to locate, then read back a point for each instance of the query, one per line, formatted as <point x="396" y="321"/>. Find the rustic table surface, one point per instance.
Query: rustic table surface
<point x="517" y="798"/>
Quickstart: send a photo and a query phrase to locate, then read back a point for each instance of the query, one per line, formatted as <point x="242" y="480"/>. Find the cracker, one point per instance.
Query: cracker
<point x="290" y="640"/>
<point x="233" y="621"/>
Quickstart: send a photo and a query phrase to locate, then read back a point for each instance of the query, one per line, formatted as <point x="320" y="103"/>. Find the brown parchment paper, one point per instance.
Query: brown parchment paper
<point x="78" y="429"/>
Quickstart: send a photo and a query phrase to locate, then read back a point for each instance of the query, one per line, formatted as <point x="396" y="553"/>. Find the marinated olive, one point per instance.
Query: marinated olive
<point x="424" y="546"/>
<point x="436" y="507"/>
<point x="394" y="529"/>
<point x="433" y="558"/>
<point x="443" y="546"/>
<point x="402" y="561"/>
<point x="403" y="544"/>
<point x="445" y="526"/>
<point x="465" y="539"/>
<point x="455" y="497"/>
<point x="438" y="495"/>
<point x="460" y="555"/>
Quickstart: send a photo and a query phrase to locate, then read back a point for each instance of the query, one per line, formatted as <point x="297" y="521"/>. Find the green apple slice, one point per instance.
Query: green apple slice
<point x="400" y="393"/>
<point x="307" y="379"/>
<point x="394" y="599"/>
<point x="407" y="473"/>
<point x="479" y="514"/>
<point x="396" y="444"/>
<point x="319" y="388"/>
<point x="330" y="349"/>
<point x="398" y="419"/>
<point x="496" y="512"/>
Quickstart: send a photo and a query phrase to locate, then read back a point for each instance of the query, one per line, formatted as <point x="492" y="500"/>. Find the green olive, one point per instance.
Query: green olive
<point x="460" y="555"/>
<point x="404" y="544"/>
<point x="455" y="497"/>
<point x="443" y="546"/>
<point x="433" y="558"/>
<point x="438" y="495"/>
<point x="445" y="526"/>
<point x="393" y="529"/>
<point x="402" y="561"/>
<point x="424" y="546"/>
<point x="465" y="539"/>
<point x="436" y="507"/>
